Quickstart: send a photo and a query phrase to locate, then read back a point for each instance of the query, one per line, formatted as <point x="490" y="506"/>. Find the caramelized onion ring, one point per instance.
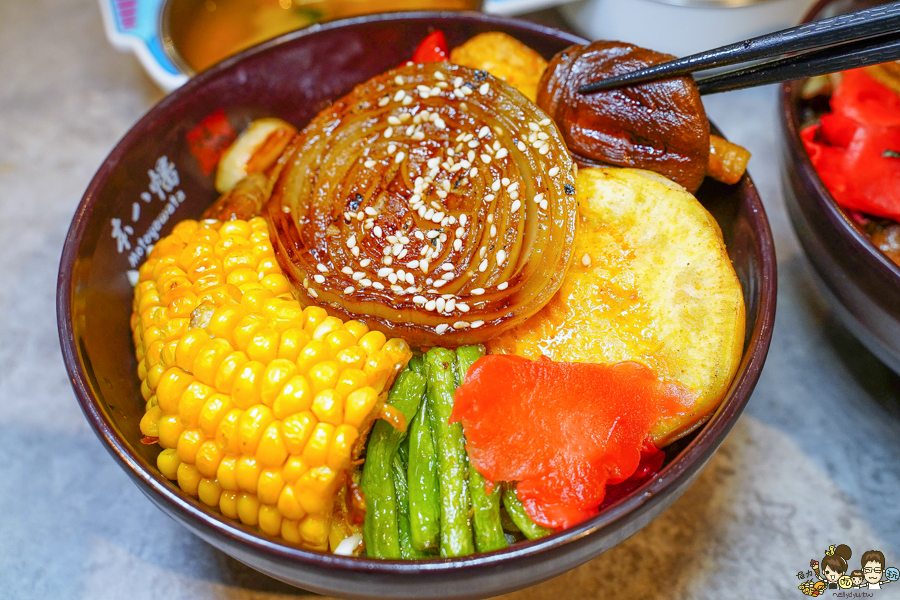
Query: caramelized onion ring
<point x="433" y="202"/>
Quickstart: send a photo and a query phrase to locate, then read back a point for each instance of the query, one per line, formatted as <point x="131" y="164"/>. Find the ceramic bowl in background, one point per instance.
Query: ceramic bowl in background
<point x="861" y="284"/>
<point x="162" y="171"/>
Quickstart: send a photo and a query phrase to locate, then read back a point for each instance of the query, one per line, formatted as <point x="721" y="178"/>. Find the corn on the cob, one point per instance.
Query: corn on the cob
<point x="258" y="403"/>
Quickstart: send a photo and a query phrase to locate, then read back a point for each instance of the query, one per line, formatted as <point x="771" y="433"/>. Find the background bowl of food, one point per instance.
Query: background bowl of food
<point x="164" y="172"/>
<point x="849" y="236"/>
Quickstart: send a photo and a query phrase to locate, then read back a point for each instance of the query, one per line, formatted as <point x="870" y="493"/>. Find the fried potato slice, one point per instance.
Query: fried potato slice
<point x="652" y="283"/>
<point x="505" y="57"/>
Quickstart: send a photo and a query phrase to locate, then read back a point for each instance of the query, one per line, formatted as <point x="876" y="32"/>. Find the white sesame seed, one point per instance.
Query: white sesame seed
<point x="457" y="82"/>
<point x="484" y="88"/>
<point x="399" y="80"/>
<point x="448" y="276"/>
<point x="521" y="146"/>
<point x="477" y="291"/>
<point x="450" y="305"/>
<point x="439" y="75"/>
<point x="400" y="95"/>
<point x="490" y="217"/>
<point x="390" y="130"/>
<point x="440" y="303"/>
<point x="462" y="306"/>
<point x="387" y="260"/>
<point x="418" y="136"/>
<point x="319" y="278"/>
<point x="423" y="264"/>
<point x="544" y="149"/>
<point x="534" y="127"/>
<point x="501" y="256"/>
<point x="553" y="171"/>
<point x="495" y="186"/>
<point x="502" y="153"/>
<point x="493" y="231"/>
<point x="393" y="120"/>
<point x="351" y="241"/>
<point x="442" y="328"/>
<point x="377" y="231"/>
<point x="414" y="264"/>
<point x="457" y="244"/>
<point x="441" y="194"/>
<point x="440" y="283"/>
<point x="347" y="271"/>
<point x="458" y="93"/>
<point x="400" y="157"/>
<point x="476" y="324"/>
<point x="397" y="289"/>
<point x="513" y="195"/>
<point x="365" y="282"/>
<point x="419" y="300"/>
<point x="543" y="136"/>
<point x="322" y="268"/>
<point x="484" y="131"/>
<point x="503" y="285"/>
<point x="358" y="275"/>
<point x="384" y="101"/>
<point x="371" y="211"/>
<point x="392" y="278"/>
<point x="391" y="148"/>
<point x="544" y="122"/>
<point x="515" y="206"/>
<point x="433" y="233"/>
<point x="360" y="215"/>
<point x="410" y="130"/>
<point x="313" y="293"/>
<point x="544" y="204"/>
<point x="485" y="158"/>
<point x="586" y="260"/>
<point x="377" y="285"/>
<point x="365" y="263"/>
<point x="384" y="271"/>
<point x="349" y="289"/>
<point x="397" y="249"/>
<point x="439" y="123"/>
<point x="483" y="266"/>
<point x="369" y="164"/>
<point x="430" y="305"/>
<point x="419" y="235"/>
<point x="409" y="279"/>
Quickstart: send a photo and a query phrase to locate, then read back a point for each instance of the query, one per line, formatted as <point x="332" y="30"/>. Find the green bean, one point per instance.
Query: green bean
<point x="380" y="527"/>
<point x="517" y="513"/>
<point x="456" y="531"/>
<point x="486" y="516"/>
<point x="398" y="472"/>
<point x="417" y="365"/>
<point x="424" y="491"/>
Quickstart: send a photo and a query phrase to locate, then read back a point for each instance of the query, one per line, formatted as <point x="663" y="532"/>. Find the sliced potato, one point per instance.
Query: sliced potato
<point x="254" y="151"/>
<point x="651" y="282"/>
<point x="504" y="57"/>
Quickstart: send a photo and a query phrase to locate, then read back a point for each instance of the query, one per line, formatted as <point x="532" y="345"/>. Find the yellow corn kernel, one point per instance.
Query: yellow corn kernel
<point x="289" y="505"/>
<point x="315" y="490"/>
<point x="208" y="458"/>
<point x="316" y="450"/>
<point x="269" y="487"/>
<point x="292" y="341"/>
<point x="226" y="474"/>
<point x="339" y="453"/>
<point x="327" y="326"/>
<point x="224" y="320"/>
<point x="171" y="386"/>
<point x="241" y="276"/>
<point x="255" y="300"/>
<point x="278" y="372"/>
<point x="193" y="252"/>
<point x="295" y="396"/>
<point x="313" y="315"/>
<point x="146" y="392"/>
<point x="170" y="429"/>
<point x="358" y="406"/>
<point x="356" y="329"/>
<point x="264" y="345"/>
<point x="152" y="334"/>
<point x="248" y="509"/>
<point x="182" y="305"/>
<point x="297" y="429"/>
<point x="153" y="355"/>
<point x="268" y="265"/>
<point x="188" y="478"/>
<point x="216" y="407"/>
<point x="247" y="384"/>
<point x="324" y="376"/>
<point x="372" y="341"/>
<point x="168" y="354"/>
<point x="150" y="422"/>
<point x="189" y="443"/>
<point x="209" y="359"/>
<point x="349" y="381"/>
<point x="205" y="283"/>
<point x="227" y="432"/>
<point x="236" y="259"/>
<point x="206" y="233"/>
<point x="269" y="520"/>
<point x="252" y="426"/>
<point x="247" y="470"/>
<point x="167" y="462"/>
<point x="276" y="283"/>
<point x="209" y="491"/>
<point x="272" y="451"/>
<point x="239" y="229"/>
<point x="192" y="401"/>
<point x="314" y="531"/>
<point x="312" y="354"/>
<point x="351" y="358"/>
<point x="246" y="328"/>
<point x="339" y="340"/>
<point x="228" y="371"/>
<point x="380" y="369"/>
<point x="328" y="407"/>
<point x="228" y="504"/>
<point x="293" y="468"/>
<point x="220" y="296"/>
<point x="289" y="531"/>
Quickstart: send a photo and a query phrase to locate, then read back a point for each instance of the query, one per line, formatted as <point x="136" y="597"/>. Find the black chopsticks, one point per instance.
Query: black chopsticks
<point x="848" y="41"/>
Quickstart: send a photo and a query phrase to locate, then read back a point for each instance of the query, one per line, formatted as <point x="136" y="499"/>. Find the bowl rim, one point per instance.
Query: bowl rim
<point x="689" y="459"/>
<point x="836" y="216"/>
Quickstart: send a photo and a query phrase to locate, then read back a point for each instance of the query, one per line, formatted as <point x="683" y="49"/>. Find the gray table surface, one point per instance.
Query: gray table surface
<point x="814" y="460"/>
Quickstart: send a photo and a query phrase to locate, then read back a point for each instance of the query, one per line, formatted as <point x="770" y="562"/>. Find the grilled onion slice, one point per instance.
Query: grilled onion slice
<point x="433" y="202"/>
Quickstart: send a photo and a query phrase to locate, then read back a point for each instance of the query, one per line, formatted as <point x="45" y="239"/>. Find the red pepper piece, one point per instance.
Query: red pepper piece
<point x="562" y="430"/>
<point x="432" y="49"/>
<point x="862" y="98"/>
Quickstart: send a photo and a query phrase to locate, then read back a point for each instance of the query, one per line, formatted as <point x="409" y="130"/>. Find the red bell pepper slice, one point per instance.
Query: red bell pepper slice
<point x="432" y="49"/>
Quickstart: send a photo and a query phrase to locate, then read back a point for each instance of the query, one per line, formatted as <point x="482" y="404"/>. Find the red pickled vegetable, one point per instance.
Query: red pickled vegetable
<point x="856" y="148"/>
<point x="432" y="49"/>
<point x="563" y="431"/>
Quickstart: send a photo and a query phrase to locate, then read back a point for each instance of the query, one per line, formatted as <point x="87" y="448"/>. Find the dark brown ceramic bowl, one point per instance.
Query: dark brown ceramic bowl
<point x="292" y="78"/>
<point x="860" y="283"/>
